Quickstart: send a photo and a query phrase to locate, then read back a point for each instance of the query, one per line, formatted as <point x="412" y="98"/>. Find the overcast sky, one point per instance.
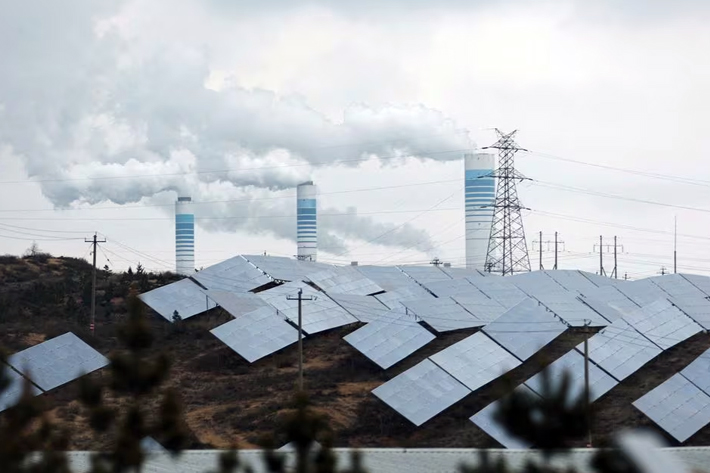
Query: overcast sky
<point x="108" y="110"/>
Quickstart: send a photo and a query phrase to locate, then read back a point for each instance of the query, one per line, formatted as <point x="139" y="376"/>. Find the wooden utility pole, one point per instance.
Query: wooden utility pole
<point x="94" y="242"/>
<point x="555" y="267"/>
<point x="300" y="298"/>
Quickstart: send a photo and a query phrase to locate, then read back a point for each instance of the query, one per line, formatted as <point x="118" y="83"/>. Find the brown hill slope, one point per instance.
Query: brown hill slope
<point x="228" y="399"/>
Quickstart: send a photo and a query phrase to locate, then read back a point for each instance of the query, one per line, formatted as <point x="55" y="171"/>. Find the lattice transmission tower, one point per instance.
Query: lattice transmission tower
<point x="507" y="247"/>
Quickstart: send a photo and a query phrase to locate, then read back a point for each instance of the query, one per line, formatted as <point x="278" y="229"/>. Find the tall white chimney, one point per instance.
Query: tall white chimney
<point x="479" y="200"/>
<point x="306" y="224"/>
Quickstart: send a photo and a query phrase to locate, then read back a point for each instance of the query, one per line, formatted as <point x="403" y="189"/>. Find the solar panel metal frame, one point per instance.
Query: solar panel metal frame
<point x="57" y="361"/>
<point x="344" y="280"/>
<point x="475" y="361"/>
<point x="663" y="323"/>
<point x="256" y="334"/>
<point x="443" y="314"/>
<point x="620" y="349"/>
<point x="572" y="310"/>
<point x="236" y="303"/>
<point x="572" y="362"/>
<point x="13" y="392"/>
<point x="421" y="392"/>
<point x="677" y="406"/>
<point x="525" y="329"/>
<point x="484" y="420"/>
<point x="184" y="296"/>
<point x="698" y="372"/>
<point x="481" y="306"/>
<point x="387" y="342"/>
<point x="318" y="315"/>
<point x="233" y="275"/>
<point x="697" y="308"/>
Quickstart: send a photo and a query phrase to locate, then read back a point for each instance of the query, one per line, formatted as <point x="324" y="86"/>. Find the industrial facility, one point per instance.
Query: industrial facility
<point x="184" y="236"/>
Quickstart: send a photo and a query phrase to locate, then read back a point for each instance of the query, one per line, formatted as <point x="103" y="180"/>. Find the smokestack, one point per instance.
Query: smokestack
<point x="480" y="196"/>
<point x="306" y="227"/>
<point x="184" y="236"/>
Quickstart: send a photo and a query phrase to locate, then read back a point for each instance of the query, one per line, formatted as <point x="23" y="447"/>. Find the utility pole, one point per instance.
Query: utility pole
<point x="300" y="298"/>
<point x="607" y="248"/>
<point x="615" y="274"/>
<point x="586" y="380"/>
<point x="436" y="262"/>
<point x="675" y="245"/>
<point x="94" y="242"/>
<point x="601" y="258"/>
<point x="541" y="268"/>
<point x="507" y="248"/>
<point x="555" y="267"/>
<point x="663" y="270"/>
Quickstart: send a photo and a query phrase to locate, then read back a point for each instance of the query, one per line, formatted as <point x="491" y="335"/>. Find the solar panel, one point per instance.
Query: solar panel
<point x="701" y="282"/>
<point x="501" y="291"/>
<point x="234" y="275"/>
<point x="320" y="314"/>
<point x="699" y="372"/>
<point x="451" y="287"/>
<point x="677" y="406"/>
<point x="13" y="392"/>
<point x="485" y="420"/>
<point x="425" y="274"/>
<point x="608" y="312"/>
<point x="183" y="296"/>
<point x="462" y="273"/>
<point x="695" y="307"/>
<point x="642" y="292"/>
<point x="392" y="279"/>
<point x="481" y="306"/>
<point x="363" y="308"/>
<point x="443" y="314"/>
<point x="256" y="334"/>
<point x="676" y="285"/>
<point x="390" y="339"/>
<point x="572" y="280"/>
<point x="475" y="361"/>
<point x="57" y="361"/>
<point x="421" y="392"/>
<point x="285" y="269"/>
<point x="395" y="299"/>
<point x="536" y="282"/>
<point x="663" y="324"/>
<point x="570" y="309"/>
<point x="344" y="280"/>
<point x="620" y="349"/>
<point x="573" y="363"/>
<point x="525" y="329"/>
<point x="612" y="296"/>
<point x="236" y="303"/>
<point x="149" y="444"/>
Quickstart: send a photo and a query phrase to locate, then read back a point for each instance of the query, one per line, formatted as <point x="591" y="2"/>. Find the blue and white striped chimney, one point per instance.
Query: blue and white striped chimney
<point x="184" y="236"/>
<point x="306" y="224"/>
<point x="480" y="197"/>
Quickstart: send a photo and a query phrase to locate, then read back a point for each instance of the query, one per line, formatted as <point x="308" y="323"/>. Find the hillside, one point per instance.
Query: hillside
<point x="228" y="399"/>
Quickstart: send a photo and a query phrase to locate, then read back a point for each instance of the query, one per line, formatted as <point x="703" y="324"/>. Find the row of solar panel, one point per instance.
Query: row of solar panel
<point x="49" y="365"/>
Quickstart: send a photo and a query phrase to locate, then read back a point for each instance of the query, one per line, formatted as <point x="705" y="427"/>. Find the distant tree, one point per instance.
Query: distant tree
<point x="139" y="269"/>
<point x="107" y="269"/>
<point x="32" y="251"/>
<point x="130" y="271"/>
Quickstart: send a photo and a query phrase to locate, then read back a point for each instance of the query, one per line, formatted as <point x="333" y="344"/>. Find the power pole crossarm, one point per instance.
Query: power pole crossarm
<point x="94" y="242"/>
<point x="300" y="298"/>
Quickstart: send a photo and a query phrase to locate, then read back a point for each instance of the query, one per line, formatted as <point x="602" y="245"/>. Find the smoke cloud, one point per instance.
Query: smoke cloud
<point x="95" y="122"/>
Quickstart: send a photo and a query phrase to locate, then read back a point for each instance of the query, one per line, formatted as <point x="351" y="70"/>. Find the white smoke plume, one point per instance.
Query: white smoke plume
<point x="95" y="123"/>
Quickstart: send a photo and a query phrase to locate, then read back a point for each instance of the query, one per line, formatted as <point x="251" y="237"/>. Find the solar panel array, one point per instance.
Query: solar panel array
<point x="572" y="363"/>
<point x="284" y="269"/>
<point x="481" y="306"/>
<point x="663" y="323"/>
<point x="701" y="282"/>
<point x="57" y="361"/>
<point x="525" y="329"/>
<point x="451" y="287"/>
<point x="678" y="406"/>
<point x="257" y="334"/>
<point x="236" y="303"/>
<point x="318" y="315"/>
<point x="574" y="281"/>
<point x="572" y="310"/>
<point x="421" y="392"/>
<point x="344" y="280"/>
<point x="425" y="274"/>
<point x="506" y="294"/>
<point x="390" y="339"/>
<point x="695" y="307"/>
<point x="675" y="285"/>
<point x="612" y="296"/>
<point x="485" y="420"/>
<point x="183" y="296"/>
<point x="443" y="314"/>
<point x="475" y="361"/>
<point x="234" y="275"/>
<point x="363" y="308"/>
